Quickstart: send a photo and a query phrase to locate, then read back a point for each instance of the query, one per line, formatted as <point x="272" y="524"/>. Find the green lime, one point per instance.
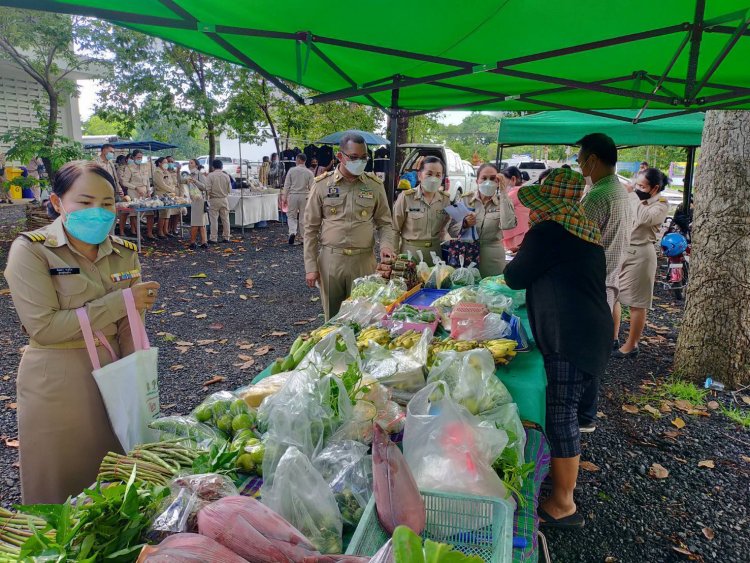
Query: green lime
<point x="203" y="413"/>
<point x="246" y="463"/>
<point x="257" y="454"/>
<point x="224" y="423"/>
<point x="239" y="406"/>
<point x="241" y="422"/>
<point x="220" y="408"/>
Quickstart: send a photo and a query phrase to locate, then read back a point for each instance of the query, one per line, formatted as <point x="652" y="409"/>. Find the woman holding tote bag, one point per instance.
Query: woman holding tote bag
<point x="64" y="429"/>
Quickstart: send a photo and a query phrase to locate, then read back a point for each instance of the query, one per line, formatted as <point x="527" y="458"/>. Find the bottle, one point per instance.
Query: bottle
<point x="713" y="385"/>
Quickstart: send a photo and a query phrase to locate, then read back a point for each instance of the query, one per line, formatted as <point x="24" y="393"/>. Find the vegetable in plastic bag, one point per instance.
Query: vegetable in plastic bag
<point x="493" y="327"/>
<point x="334" y="354"/>
<point x="189" y="548"/>
<point x="440" y="274"/>
<point x="465" y="276"/>
<point x="446" y="447"/>
<point x="301" y="496"/>
<point x="227" y="412"/>
<point x="195" y="433"/>
<point x="390" y="292"/>
<point x="357" y="313"/>
<point x="471" y="379"/>
<point x="399" y="368"/>
<point x="496" y="284"/>
<point x="367" y="286"/>
<point x="347" y="469"/>
<point x="423" y="270"/>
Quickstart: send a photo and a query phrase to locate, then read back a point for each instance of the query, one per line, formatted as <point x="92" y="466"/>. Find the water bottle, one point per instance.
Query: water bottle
<point x="713" y="385"/>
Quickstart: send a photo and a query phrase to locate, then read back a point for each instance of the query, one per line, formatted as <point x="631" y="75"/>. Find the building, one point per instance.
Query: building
<point x="18" y="92"/>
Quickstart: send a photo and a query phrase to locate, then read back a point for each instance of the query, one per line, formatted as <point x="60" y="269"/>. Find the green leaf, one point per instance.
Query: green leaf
<point x="130" y="505"/>
<point x="407" y="546"/>
<point x="86" y="545"/>
<point x="50" y="513"/>
<point x="434" y="552"/>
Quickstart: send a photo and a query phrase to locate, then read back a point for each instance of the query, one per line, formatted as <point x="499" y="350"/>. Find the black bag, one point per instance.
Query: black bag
<point x="206" y="206"/>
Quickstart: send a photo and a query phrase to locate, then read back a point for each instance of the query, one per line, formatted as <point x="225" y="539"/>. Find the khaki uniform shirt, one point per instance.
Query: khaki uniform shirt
<point x="218" y="184"/>
<point x="493" y="217"/>
<point x="263" y="173"/>
<point x="341" y="214"/>
<point x="136" y="179"/>
<point x="299" y="180"/>
<point x="416" y="220"/>
<point x="163" y="182"/>
<point x="111" y="167"/>
<point x="33" y="167"/>
<point x="648" y="218"/>
<point x="49" y="279"/>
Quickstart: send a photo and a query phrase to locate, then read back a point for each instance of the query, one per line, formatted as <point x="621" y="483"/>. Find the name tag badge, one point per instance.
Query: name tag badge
<point x="333" y="192"/>
<point x="64" y="271"/>
<point x="367" y="195"/>
<point x="124" y="276"/>
<point x="415" y="209"/>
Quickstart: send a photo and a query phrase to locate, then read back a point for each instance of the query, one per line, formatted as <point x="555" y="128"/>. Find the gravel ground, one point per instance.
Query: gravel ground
<point x="631" y="516"/>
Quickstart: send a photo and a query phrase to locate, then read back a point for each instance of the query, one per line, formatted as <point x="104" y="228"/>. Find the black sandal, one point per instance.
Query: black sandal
<point x="570" y="522"/>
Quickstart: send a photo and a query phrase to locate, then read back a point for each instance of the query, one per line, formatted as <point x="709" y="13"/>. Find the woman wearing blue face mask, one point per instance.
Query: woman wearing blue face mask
<point x="64" y="431"/>
<point x="493" y="213"/>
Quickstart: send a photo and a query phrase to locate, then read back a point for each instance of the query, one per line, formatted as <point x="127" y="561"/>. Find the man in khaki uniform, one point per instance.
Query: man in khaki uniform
<point x="218" y="188"/>
<point x="106" y="161"/>
<point x="342" y="209"/>
<point x="297" y="186"/>
<point x="136" y="178"/>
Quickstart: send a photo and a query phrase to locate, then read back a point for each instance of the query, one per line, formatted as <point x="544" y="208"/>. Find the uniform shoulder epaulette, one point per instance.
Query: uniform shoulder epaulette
<point x="663" y="199"/>
<point x="35" y="236"/>
<point x="409" y="191"/>
<point x="323" y="175"/>
<point x="126" y="243"/>
<point x="374" y="176"/>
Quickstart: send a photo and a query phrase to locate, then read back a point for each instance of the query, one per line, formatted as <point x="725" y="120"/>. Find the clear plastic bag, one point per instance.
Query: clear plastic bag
<point x="423" y="270"/>
<point x="334" y="354"/>
<point x="446" y="447"/>
<point x="507" y="418"/>
<point x="471" y="379"/>
<point x="196" y="434"/>
<point x="390" y="292"/>
<point x="493" y="327"/>
<point x="225" y="411"/>
<point x="496" y="302"/>
<point x="399" y="368"/>
<point x="440" y="274"/>
<point x="465" y="276"/>
<point x="496" y="284"/>
<point x="347" y="469"/>
<point x="358" y="313"/>
<point x="190" y="493"/>
<point x="367" y="286"/>
<point x="301" y="496"/>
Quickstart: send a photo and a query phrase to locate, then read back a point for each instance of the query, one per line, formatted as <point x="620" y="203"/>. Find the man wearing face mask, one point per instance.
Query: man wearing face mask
<point x="106" y="161"/>
<point x="419" y="217"/>
<point x="343" y="207"/>
<point x="297" y="186"/>
<point x="608" y="205"/>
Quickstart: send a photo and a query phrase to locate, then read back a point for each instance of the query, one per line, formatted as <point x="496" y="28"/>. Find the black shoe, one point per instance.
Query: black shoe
<point x="226" y="240"/>
<point x="204" y="245"/>
<point x="622" y="355"/>
<point x="213" y="242"/>
<point x="149" y="238"/>
<point x="587" y="428"/>
<point x="171" y="235"/>
<point x="161" y="237"/>
<point x="193" y="246"/>
<point x="291" y="239"/>
<point x="616" y="344"/>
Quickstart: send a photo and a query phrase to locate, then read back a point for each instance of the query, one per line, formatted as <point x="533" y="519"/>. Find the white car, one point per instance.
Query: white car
<point x="231" y="166"/>
<point x="460" y="178"/>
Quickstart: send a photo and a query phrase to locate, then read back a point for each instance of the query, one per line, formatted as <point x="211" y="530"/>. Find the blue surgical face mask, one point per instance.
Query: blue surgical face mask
<point x="110" y="156"/>
<point x="90" y="225"/>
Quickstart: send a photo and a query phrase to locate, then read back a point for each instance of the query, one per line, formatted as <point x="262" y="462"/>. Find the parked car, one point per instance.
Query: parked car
<point x="231" y="166"/>
<point x="533" y="168"/>
<point x="460" y="178"/>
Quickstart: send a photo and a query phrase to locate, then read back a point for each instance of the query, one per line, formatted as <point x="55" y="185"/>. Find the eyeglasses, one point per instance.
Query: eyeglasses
<point x="355" y="158"/>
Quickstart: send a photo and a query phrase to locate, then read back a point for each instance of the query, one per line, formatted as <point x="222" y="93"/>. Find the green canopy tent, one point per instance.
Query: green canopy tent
<point x="689" y="55"/>
<point x="567" y="127"/>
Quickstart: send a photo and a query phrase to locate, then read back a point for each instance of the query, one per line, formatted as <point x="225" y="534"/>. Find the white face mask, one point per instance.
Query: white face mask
<point x="355" y="167"/>
<point x="488" y="188"/>
<point x="430" y="184"/>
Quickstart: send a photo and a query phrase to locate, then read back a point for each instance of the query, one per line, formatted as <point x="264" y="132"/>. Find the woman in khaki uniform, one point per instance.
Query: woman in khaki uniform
<point x="419" y="217"/>
<point x="163" y="186"/>
<point x="493" y="213"/>
<point x="639" y="269"/>
<point x="198" y="215"/>
<point x="64" y="431"/>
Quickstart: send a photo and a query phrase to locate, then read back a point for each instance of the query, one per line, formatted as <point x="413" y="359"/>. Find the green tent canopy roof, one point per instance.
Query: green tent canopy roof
<point x="567" y="127"/>
<point x="592" y="55"/>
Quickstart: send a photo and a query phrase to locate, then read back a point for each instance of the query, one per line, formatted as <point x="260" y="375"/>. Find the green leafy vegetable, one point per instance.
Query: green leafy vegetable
<point x="407" y="548"/>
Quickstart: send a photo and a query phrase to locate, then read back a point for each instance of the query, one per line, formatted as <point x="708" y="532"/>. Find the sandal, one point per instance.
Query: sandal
<point x="570" y="522"/>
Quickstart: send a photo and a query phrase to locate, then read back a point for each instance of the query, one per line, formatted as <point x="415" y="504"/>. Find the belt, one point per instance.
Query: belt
<point x="425" y="243"/>
<point x="70" y="345"/>
<point x="348" y="251"/>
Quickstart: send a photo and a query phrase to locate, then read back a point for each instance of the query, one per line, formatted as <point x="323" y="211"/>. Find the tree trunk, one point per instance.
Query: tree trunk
<point x="714" y="335"/>
<point x="49" y="141"/>
<point x="211" y="132"/>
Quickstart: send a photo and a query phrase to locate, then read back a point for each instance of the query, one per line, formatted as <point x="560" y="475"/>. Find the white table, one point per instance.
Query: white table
<point x="253" y="207"/>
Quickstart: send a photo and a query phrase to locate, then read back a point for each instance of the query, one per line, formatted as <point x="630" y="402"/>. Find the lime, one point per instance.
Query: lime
<point x="241" y="422"/>
<point x="239" y="406"/>
<point x="220" y="408"/>
<point x="257" y="454"/>
<point x="203" y="413"/>
<point x="245" y="462"/>
<point x="224" y="423"/>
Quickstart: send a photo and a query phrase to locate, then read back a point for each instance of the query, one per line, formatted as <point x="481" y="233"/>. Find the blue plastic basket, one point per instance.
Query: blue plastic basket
<point x="425" y="297"/>
<point x="473" y="525"/>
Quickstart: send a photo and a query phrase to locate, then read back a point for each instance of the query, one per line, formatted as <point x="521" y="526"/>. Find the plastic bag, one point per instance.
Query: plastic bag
<point x="301" y="496"/>
<point x="358" y="313"/>
<point x="190" y="493"/>
<point x="471" y="379"/>
<point x="465" y="276"/>
<point x="359" y="426"/>
<point x="400" y="368"/>
<point x="446" y="447"/>
<point x="496" y="284"/>
<point x="496" y="302"/>
<point x="507" y="418"/>
<point x="253" y="395"/>
<point x="227" y="412"/>
<point x="423" y="270"/>
<point x="334" y="354"/>
<point x="196" y="434"/>
<point x="367" y="286"/>
<point x="390" y="415"/>
<point x="347" y="469"/>
<point x="390" y="292"/>
<point x="440" y="275"/>
<point x="493" y="327"/>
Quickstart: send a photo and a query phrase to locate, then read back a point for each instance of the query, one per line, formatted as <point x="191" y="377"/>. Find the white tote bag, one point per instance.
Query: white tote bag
<point x="129" y="386"/>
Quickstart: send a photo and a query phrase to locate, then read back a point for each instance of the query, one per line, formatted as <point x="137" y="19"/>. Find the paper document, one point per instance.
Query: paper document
<point x="458" y="213"/>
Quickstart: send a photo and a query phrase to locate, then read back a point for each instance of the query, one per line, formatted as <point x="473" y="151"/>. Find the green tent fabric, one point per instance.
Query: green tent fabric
<point x="567" y="127"/>
<point x="671" y="54"/>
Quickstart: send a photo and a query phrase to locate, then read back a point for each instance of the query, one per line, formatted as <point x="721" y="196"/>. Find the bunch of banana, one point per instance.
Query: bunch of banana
<point x="406" y="340"/>
<point x="321" y="332"/>
<point x="379" y="335"/>
<point x="503" y="350"/>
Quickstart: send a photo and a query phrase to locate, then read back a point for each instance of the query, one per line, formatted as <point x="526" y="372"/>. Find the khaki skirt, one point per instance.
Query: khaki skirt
<point x="491" y="258"/>
<point x="63" y="428"/>
<point x="637" y="276"/>
<point x="197" y="217"/>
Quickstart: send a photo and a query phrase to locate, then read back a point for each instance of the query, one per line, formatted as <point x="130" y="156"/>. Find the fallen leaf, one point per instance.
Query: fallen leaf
<point x="201" y="275"/>
<point x="588" y="466"/>
<point x="299" y="323"/>
<point x="243" y="297"/>
<point x="6" y="377"/>
<point x="682" y="550"/>
<point x="201" y="316"/>
<point x="664" y="407"/>
<point x="708" y="533"/>
<point x="182" y="349"/>
<point x="223" y="341"/>
<point x="169" y="406"/>
<point x="632" y="409"/>
<point x="214" y="379"/>
<point x="652" y="411"/>
<point x="5" y="291"/>
<point x="209" y="283"/>
<point x="247" y="364"/>
<point x="279" y="333"/>
<point x="158" y="312"/>
<point x="245" y="357"/>
<point x="178" y="314"/>
<point x="13" y="406"/>
<point x="184" y="343"/>
<point x="5" y="398"/>
<point x="216" y="326"/>
<point x="314" y="299"/>
<point x="176" y="367"/>
<point x="697" y="412"/>
<point x="709" y="463"/>
<point x="206" y="342"/>
<point x="683" y="405"/>
<point x="713" y="405"/>
<point x="745" y="458"/>
<point x="600" y="414"/>
<point x="247" y="346"/>
<point x="210" y="351"/>
<point x="249" y="283"/>
<point x="671" y="434"/>
<point x="745" y="399"/>
<point x="228" y="251"/>
<point x="11" y="442"/>
<point x="678" y="422"/>
<point x="262" y="351"/>
<point x="658" y="471"/>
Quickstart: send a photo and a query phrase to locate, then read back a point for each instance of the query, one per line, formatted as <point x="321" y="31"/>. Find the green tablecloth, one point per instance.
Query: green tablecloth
<point x="524" y="377"/>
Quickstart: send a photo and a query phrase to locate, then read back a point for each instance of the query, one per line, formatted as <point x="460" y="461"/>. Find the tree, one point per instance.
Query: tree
<point x="154" y="124"/>
<point x="41" y="44"/>
<point x="97" y="125"/>
<point x="714" y="336"/>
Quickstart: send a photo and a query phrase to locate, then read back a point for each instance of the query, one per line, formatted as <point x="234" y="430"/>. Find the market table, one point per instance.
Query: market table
<point x="139" y="211"/>
<point x="252" y="207"/>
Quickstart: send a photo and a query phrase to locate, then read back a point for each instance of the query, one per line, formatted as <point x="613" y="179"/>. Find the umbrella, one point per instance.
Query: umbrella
<point x="370" y="138"/>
